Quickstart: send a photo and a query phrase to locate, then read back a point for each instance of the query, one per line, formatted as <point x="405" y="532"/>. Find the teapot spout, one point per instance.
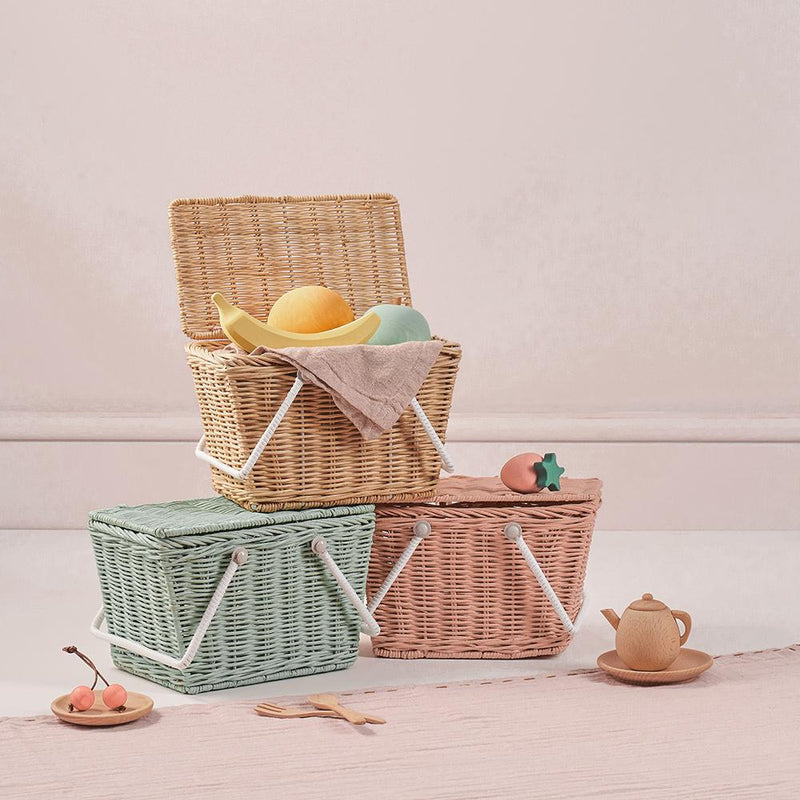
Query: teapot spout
<point x="611" y="616"/>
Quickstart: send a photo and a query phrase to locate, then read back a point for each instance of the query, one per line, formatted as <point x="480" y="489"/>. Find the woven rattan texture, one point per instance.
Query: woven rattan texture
<point x="254" y="249"/>
<point x="283" y="615"/>
<point x="316" y="456"/>
<point x="467" y="592"/>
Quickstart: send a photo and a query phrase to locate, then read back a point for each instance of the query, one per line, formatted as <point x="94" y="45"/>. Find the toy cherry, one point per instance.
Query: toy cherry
<point x="82" y="697"/>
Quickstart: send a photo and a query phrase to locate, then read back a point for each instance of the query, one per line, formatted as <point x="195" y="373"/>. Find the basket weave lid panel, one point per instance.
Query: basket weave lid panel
<point x="208" y="515"/>
<point x="465" y="489"/>
<point x="254" y="249"/>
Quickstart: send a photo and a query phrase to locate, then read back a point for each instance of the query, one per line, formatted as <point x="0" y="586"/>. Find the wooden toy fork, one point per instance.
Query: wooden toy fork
<point x="267" y="709"/>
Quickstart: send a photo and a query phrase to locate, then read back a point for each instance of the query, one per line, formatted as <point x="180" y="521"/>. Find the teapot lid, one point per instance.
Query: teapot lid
<point x="647" y="603"/>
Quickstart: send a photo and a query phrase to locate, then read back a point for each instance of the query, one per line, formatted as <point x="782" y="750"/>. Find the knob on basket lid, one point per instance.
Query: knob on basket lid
<point x="647" y="603"/>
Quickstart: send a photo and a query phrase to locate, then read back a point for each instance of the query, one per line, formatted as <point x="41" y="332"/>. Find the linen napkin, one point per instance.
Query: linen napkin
<point x="370" y="384"/>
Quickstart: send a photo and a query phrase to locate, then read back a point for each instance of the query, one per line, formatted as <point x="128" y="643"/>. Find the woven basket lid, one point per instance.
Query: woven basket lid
<point x="464" y="489"/>
<point x="207" y="515"/>
<point x="254" y="249"/>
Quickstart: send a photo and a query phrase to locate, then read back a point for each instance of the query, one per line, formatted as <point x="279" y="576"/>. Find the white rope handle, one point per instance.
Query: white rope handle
<point x="269" y="431"/>
<point x="447" y="462"/>
<point x="262" y="443"/>
<point x="422" y="530"/>
<point x="238" y="558"/>
<point x="513" y="532"/>
<point x="369" y="624"/>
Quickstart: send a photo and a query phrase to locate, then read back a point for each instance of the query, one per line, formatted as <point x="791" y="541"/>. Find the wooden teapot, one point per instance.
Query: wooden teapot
<point x="647" y="635"/>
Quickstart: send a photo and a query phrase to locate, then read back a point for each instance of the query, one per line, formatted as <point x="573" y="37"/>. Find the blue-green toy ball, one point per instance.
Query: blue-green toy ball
<point x="399" y="324"/>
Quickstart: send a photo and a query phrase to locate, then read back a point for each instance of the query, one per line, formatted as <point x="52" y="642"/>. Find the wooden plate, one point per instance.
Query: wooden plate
<point x="137" y="706"/>
<point x="689" y="664"/>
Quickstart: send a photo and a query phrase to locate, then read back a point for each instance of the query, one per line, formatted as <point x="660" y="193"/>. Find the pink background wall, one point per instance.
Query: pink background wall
<point x="599" y="200"/>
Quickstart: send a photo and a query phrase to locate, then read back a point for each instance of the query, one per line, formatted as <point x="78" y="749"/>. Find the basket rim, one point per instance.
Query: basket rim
<point x="286" y="198"/>
<point x="573" y="491"/>
<point x="204" y="349"/>
<point x="206" y="515"/>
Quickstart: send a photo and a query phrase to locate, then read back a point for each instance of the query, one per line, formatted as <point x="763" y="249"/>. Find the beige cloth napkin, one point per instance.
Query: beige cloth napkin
<point x="370" y="384"/>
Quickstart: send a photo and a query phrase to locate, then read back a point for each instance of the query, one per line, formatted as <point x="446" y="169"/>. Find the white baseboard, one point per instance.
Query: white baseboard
<point x="659" y="472"/>
<point x="464" y="427"/>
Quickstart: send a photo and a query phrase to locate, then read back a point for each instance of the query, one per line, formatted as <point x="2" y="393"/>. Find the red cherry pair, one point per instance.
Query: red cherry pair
<point x="82" y="697"/>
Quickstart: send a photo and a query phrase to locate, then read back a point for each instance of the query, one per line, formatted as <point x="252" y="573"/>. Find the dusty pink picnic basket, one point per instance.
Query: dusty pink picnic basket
<point x="479" y="571"/>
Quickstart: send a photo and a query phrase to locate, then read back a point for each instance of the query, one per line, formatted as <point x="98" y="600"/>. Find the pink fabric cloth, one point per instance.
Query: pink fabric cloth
<point x="371" y="385"/>
<point x="732" y="733"/>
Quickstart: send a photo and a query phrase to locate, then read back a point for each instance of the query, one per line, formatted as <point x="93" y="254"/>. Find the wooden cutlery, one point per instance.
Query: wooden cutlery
<point x="328" y="702"/>
<point x="331" y="708"/>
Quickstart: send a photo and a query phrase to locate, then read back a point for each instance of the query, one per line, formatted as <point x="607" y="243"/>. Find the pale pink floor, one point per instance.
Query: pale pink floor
<point x="729" y="734"/>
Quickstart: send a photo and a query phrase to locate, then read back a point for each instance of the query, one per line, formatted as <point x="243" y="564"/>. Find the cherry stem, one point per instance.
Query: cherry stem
<point x="88" y="661"/>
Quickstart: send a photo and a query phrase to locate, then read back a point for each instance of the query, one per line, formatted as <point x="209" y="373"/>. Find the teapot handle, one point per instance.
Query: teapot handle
<point x="687" y="624"/>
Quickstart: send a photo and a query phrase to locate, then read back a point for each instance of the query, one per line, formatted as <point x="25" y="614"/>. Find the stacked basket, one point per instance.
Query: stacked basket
<point x="269" y="580"/>
<point x="201" y="595"/>
<point x="253" y="250"/>
<point x="480" y="571"/>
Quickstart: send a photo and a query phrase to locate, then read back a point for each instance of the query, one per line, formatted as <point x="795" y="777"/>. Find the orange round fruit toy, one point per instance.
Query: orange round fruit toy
<point x="114" y="696"/>
<point x="310" y="309"/>
<point x="82" y="698"/>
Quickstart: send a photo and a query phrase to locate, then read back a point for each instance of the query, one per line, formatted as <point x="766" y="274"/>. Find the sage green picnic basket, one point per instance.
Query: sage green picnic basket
<point x="201" y="595"/>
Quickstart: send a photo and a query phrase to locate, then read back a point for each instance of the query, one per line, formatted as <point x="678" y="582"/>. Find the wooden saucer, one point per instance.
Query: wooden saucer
<point x="689" y="664"/>
<point x="137" y="706"/>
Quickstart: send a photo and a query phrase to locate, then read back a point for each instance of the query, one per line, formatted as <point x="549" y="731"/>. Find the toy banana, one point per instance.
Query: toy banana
<point x="249" y="333"/>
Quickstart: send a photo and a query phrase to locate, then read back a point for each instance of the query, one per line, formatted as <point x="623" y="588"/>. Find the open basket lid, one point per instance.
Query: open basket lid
<point x="255" y="249"/>
<point x="463" y="489"/>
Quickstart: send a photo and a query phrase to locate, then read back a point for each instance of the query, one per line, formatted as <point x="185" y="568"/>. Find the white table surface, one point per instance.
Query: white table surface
<point x="741" y="588"/>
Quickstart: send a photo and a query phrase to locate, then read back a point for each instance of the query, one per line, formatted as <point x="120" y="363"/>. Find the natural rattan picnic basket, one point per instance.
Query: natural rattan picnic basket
<point x="271" y="447"/>
<point x="202" y="595"/>
<point x="480" y="571"/>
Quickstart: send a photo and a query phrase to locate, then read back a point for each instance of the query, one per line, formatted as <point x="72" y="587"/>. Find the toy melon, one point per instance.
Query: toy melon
<point x="399" y="324"/>
<point x="310" y="309"/>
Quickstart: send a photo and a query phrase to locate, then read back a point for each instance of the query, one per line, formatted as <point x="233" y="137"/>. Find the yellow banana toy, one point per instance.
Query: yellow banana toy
<point x="249" y="333"/>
